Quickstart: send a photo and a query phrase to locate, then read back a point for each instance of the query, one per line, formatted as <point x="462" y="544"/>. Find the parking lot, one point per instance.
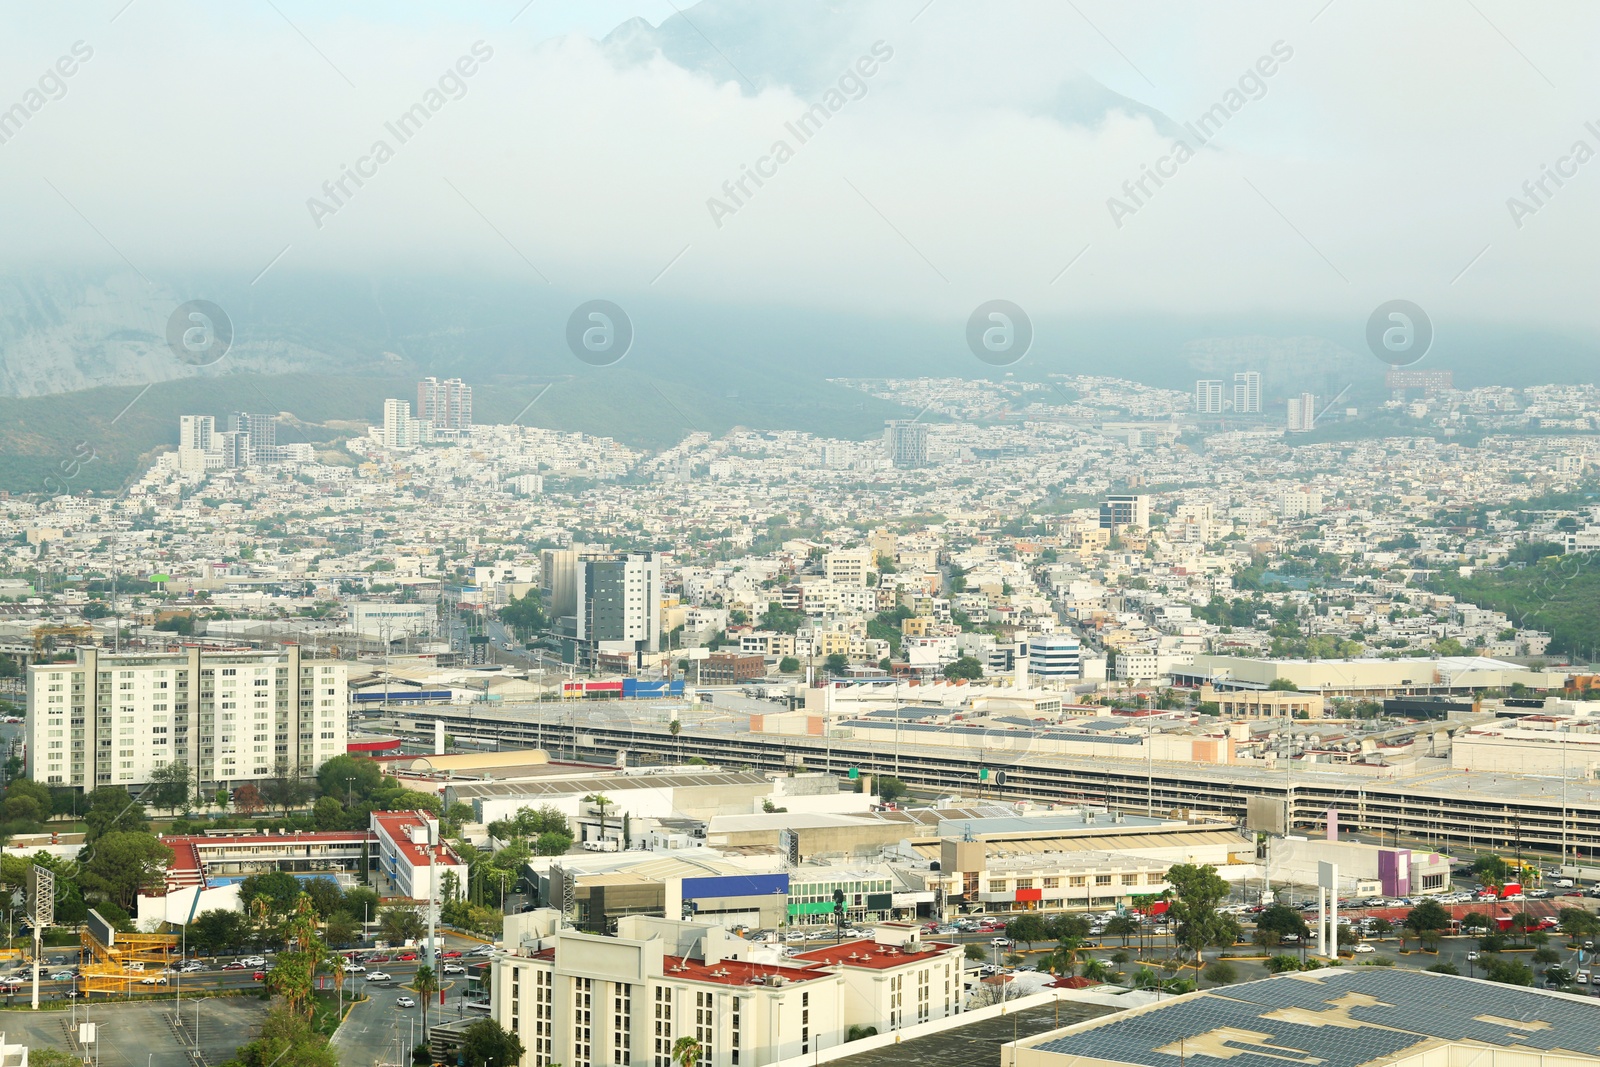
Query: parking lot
<point x="139" y="1034"/>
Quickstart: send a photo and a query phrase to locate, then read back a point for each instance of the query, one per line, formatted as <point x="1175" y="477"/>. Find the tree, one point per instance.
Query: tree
<point x="426" y="983"/>
<point x="1492" y="870"/>
<point x="1507" y="972"/>
<point x="1477" y="920"/>
<point x="1426" y="916"/>
<point x="1280" y="964"/>
<point x="1443" y="968"/>
<point x="836" y="663"/>
<point x="788" y="665"/>
<point x="599" y="800"/>
<point x="525" y="615"/>
<point x="1577" y="922"/>
<point x="398" y="925"/>
<point x="247" y="799"/>
<point x="286" y="790"/>
<point x="1557" y="977"/>
<point x="112" y="810"/>
<point x="169" y="786"/>
<point x="487" y="1044"/>
<point x="1221" y="972"/>
<point x="287" y="1037"/>
<point x="1121" y="926"/>
<point x="1282" y="685"/>
<point x="1095" y="970"/>
<point x="553" y="843"/>
<point x="212" y="932"/>
<point x="278" y="889"/>
<point x="686" y="1051"/>
<point x="327" y="813"/>
<point x="890" y="788"/>
<point x="1199" y="889"/>
<point x="1277" y="922"/>
<point x="1027" y="928"/>
<point x="966" y="667"/>
<point x="334" y="778"/>
<point x="123" y="862"/>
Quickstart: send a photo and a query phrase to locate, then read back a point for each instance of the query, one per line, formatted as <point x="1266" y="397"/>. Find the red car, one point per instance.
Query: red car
<point x="407" y="957"/>
<point x="259" y="976"/>
<point x="377" y="959"/>
<point x="452" y="954"/>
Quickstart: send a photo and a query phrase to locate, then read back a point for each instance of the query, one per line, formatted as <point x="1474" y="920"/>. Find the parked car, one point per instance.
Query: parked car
<point x="1472" y="956"/>
<point x="404" y="1002"/>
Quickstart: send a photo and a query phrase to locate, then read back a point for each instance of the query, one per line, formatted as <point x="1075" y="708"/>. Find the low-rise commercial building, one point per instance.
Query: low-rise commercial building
<point x="411" y="863"/>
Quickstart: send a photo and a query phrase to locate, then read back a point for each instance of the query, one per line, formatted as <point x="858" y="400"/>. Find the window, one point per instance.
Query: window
<point x="733" y="1031"/>
<point x="1102" y="879"/>
<point x="621" y="1025"/>
<point x="1052" y="883"/>
<point x="705" y="1024"/>
<point x="663" y="1027"/>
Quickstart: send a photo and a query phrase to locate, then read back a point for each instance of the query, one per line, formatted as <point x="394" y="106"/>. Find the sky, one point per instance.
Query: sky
<point x="1383" y="157"/>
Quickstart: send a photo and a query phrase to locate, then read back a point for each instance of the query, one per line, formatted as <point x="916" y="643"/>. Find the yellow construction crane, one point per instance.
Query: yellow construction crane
<point x="76" y="630"/>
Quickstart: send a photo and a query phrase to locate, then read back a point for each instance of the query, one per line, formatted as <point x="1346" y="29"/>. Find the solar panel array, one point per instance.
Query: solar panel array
<point x="1414" y="1007"/>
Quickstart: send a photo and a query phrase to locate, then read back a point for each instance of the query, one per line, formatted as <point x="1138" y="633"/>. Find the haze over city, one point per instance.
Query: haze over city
<point x="732" y="533"/>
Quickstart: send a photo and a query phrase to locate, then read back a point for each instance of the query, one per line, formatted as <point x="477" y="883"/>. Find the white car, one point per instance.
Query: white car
<point x="154" y="979"/>
<point x="1000" y="942"/>
<point x="404" y="1002"/>
<point x="453" y="968"/>
<point x="351" y="967"/>
<point x="1364" y="947"/>
<point x="253" y="961"/>
<point x="377" y="976"/>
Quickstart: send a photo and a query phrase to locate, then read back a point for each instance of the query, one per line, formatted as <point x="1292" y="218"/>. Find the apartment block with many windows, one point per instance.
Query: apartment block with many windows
<point x="232" y="717"/>
<point x="584" y="1000"/>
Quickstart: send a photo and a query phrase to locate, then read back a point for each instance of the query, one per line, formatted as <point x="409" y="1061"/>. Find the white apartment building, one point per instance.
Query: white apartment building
<point x="1299" y="503"/>
<point x="1138" y="665"/>
<point x="112" y="719"/>
<point x="399" y="429"/>
<point x="585" y="1000"/>
<point x="848" y="566"/>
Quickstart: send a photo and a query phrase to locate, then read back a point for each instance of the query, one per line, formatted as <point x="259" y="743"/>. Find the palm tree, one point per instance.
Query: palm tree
<point x="426" y="983"/>
<point x="686" y="1051"/>
<point x="675" y="728"/>
<point x="599" y="800"/>
<point x="1065" y="956"/>
<point x="1096" y="970"/>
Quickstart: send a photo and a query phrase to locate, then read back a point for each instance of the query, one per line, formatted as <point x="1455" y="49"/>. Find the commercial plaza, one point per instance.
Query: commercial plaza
<point x="1437" y="804"/>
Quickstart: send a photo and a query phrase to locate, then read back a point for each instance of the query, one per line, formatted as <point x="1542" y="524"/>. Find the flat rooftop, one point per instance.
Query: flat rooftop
<point x="1338" y="1018"/>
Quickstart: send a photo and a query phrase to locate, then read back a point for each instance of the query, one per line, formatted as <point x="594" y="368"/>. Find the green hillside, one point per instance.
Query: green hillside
<point x="51" y="437"/>
<point x="1560" y="595"/>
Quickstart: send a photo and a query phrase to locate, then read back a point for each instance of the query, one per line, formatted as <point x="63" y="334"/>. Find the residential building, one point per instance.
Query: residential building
<point x="1138" y="665"/>
<point x="1208" y="396"/>
<point x="617" y="608"/>
<point x="849" y="566"/>
<point x="114" y="719"/>
<point x="1247" y="393"/>
<point x="263" y="431"/>
<point x="1302" y="413"/>
<point x="447" y="404"/>
<point x="411" y="855"/>
<point x="400" y="430"/>
<point x="906" y="441"/>
<point x="1125" y="509"/>
<point x="196" y="432"/>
